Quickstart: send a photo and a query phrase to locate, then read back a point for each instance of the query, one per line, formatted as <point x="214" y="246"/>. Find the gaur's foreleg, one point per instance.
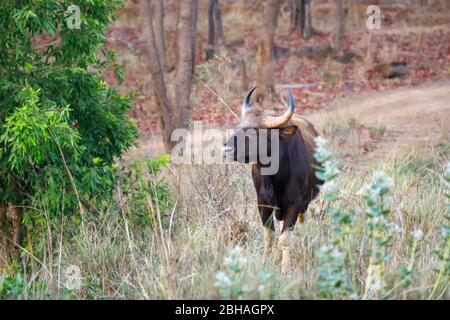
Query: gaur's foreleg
<point x="269" y="229"/>
<point x="289" y="219"/>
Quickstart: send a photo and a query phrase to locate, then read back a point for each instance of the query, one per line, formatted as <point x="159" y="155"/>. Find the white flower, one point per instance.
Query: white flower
<point x="242" y="260"/>
<point x="336" y="254"/>
<point x="377" y="187"/>
<point x="323" y="148"/>
<point x="236" y="251"/>
<point x="330" y="187"/>
<point x="397" y="228"/>
<point x="261" y="288"/>
<point x="227" y="261"/>
<point x="223" y="279"/>
<point x="235" y="256"/>
<point x="326" y="248"/>
<point x="417" y="234"/>
<point x="447" y="171"/>
<point x="380" y="179"/>
<point x="447" y="174"/>
<point x="332" y="168"/>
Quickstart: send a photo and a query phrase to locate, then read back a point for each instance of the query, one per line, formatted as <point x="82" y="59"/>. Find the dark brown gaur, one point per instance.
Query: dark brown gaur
<point x="288" y="192"/>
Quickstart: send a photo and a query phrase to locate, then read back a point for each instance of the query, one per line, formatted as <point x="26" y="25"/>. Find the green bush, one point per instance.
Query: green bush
<point x="148" y="195"/>
<point x="61" y="125"/>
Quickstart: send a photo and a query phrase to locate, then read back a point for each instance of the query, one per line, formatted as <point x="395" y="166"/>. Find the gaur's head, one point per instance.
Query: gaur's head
<point x="254" y="139"/>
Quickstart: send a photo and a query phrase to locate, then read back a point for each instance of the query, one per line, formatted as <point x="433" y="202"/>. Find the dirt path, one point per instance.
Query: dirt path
<point x="412" y="116"/>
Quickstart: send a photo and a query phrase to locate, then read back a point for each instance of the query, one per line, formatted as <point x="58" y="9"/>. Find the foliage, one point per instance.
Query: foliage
<point x="16" y="287"/>
<point x="376" y="196"/>
<point x="233" y="282"/>
<point x="337" y="270"/>
<point x="333" y="280"/>
<point x="61" y="125"/>
<point x="148" y="195"/>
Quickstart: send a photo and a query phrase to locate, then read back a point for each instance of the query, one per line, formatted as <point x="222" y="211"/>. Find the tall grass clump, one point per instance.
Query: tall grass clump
<point x="441" y="285"/>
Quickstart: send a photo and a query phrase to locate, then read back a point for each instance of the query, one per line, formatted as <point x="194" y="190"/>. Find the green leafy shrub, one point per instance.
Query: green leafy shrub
<point x="148" y="195"/>
<point x="61" y="125"/>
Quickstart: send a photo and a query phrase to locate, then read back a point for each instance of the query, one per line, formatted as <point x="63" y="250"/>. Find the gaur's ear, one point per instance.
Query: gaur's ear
<point x="288" y="131"/>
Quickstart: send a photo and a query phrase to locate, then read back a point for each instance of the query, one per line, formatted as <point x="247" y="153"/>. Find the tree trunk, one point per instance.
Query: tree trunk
<point x="308" y="31"/>
<point x="17" y="227"/>
<point x="265" y="51"/>
<point x="244" y="79"/>
<point x="174" y="38"/>
<point x="219" y="25"/>
<point x="16" y="218"/>
<point x="4" y="246"/>
<point x="186" y="45"/>
<point x="211" y="30"/>
<point x="299" y="16"/>
<point x="215" y="29"/>
<point x="158" y="80"/>
<point x="339" y="38"/>
<point x="159" y="34"/>
<point x="194" y="9"/>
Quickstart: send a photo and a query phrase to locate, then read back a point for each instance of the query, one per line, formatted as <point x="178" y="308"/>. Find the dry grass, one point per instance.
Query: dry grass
<point x="214" y="210"/>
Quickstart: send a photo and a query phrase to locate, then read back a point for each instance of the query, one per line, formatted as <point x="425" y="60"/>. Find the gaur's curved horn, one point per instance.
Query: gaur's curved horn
<point x="276" y="122"/>
<point x="246" y="103"/>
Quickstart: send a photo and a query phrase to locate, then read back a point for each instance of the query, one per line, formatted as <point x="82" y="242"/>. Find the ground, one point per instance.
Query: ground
<point x="418" y="116"/>
<point x="412" y="34"/>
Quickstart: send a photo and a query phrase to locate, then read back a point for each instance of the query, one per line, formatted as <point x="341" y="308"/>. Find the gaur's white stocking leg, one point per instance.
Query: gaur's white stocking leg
<point x="283" y="247"/>
<point x="268" y="240"/>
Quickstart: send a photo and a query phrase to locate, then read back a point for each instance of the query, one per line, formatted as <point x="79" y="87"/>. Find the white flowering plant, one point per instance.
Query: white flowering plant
<point x="407" y="271"/>
<point x="333" y="281"/>
<point x="233" y="283"/>
<point x="228" y="281"/>
<point x="377" y="199"/>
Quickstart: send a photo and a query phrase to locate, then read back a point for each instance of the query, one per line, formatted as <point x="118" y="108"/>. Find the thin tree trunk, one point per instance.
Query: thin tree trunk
<point x="175" y="38"/>
<point x="339" y="39"/>
<point x="211" y="30"/>
<point x="4" y="246"/>
<point x="299" y="16"/>
<point x="17" y="226"/>
<point x="158" y="79"/>
<point x="186" y="45"/>
<point x="215" y="29"/>
<point x="194" y="32"/>
<point x="265" y="51"/>
<point x="16" y="218"/>
<point x="308" y="31"/>
<point x="159" y="34"/>
<point x="219" y="25"/>
<point x="244" y="79"/>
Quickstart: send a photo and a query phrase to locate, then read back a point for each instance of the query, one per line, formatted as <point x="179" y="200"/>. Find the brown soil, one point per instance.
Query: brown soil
<point x="413" y="116"/>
